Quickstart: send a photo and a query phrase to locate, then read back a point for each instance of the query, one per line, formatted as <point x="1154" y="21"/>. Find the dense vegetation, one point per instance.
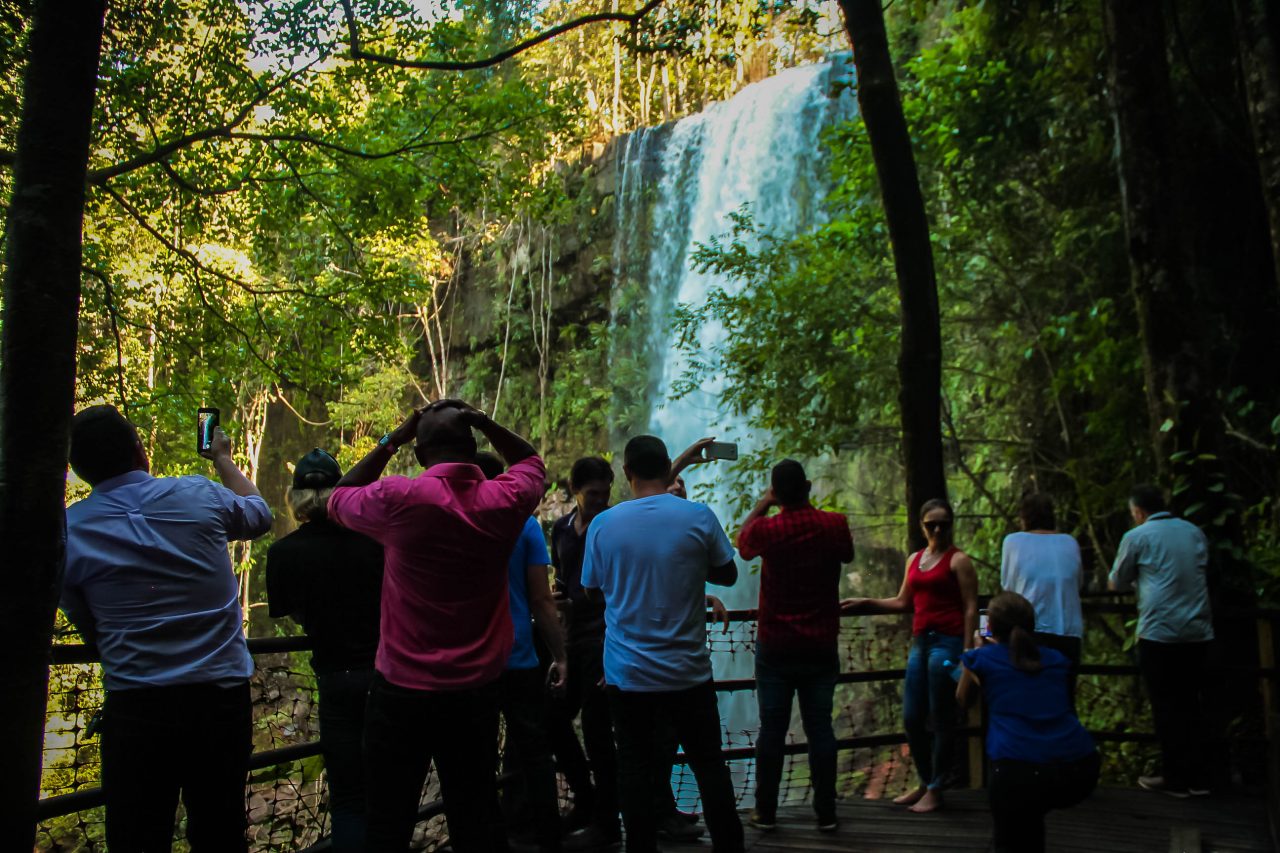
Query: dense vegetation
<point x="288" y="219"/>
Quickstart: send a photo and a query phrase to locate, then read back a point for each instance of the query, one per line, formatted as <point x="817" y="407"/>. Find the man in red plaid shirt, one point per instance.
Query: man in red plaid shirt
<point x="796" y="634"/>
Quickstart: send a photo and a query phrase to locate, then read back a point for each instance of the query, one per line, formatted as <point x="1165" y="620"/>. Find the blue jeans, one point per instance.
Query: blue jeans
<point x="343" y="696"/>
<point x="929" y="698"/>
<point x="813" y="682"/>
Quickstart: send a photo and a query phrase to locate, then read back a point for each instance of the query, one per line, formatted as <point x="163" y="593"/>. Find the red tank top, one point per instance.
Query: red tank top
<point x="935" y="595"/>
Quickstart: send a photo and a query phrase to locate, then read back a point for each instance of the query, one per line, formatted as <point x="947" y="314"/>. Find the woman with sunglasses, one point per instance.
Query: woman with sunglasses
<point x="940" y="590"/>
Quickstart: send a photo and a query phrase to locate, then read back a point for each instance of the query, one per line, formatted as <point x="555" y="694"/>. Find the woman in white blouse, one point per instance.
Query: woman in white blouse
<point x="1043" y="566"/>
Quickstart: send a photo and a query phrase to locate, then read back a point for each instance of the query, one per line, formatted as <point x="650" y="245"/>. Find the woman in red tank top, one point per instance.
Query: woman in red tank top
<point x="940" y="590"/>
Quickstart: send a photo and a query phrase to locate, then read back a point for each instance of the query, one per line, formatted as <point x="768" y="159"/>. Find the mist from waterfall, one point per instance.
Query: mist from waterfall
<point x="678" y="186"/>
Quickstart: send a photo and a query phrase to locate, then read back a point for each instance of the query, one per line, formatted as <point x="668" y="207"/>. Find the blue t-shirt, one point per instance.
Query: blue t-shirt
<point x="530" y="550"/>
<point x="1029" y="714"/>
<point x="650" y="558"/>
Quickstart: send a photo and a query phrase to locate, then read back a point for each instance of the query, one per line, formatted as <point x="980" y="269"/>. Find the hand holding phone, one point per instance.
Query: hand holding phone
<point x="207" y="421"/>
<point x="984" y="625"/>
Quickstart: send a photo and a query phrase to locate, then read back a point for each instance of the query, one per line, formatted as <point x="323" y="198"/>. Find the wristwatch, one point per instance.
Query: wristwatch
<point x="386" y="442"/>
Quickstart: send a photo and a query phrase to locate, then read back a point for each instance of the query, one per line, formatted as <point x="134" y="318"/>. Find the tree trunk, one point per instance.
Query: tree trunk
<point x="37" y="379"/>
<point x="920" y="358"/>
<point x="1258" y="37"/>
<point x="1180" y="386"/>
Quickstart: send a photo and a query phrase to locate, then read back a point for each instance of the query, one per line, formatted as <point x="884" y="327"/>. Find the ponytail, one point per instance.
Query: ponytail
<point x="1023" y="651"/>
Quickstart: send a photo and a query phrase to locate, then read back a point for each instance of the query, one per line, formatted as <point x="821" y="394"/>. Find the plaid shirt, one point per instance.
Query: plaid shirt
<point x="801" y="550"/>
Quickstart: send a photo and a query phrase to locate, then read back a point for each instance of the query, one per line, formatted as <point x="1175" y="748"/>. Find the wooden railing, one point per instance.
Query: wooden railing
<point x="1266" y="674"/>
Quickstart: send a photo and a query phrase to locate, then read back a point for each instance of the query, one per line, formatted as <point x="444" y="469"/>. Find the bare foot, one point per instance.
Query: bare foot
<point x="910" y="798"/>
<point x="930" y="802"/>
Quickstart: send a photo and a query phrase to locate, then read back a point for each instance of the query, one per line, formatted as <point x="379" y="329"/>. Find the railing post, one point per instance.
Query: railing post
<point x="1266" y="682"/>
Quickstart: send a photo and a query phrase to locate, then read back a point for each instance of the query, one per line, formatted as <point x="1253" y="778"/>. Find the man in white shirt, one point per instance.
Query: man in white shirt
<point x="1165" y="558"/>
<point x="651" y="558"/>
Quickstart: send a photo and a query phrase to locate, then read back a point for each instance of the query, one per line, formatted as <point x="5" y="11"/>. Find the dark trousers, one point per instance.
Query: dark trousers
<point x="1022" y="793"/>
<point x="929" y="702"/>
<point x="641" y="721"/>
<point x="1175" y="675"/>
<point x="157" y="742"/>
<point x="528" y="755"/>
<point x="584" y="694"/>
<point x="343" y="697"/>
<point x="404" y="731"/>
<point x="813" y="682"/>
<point x="1070" y="649"/>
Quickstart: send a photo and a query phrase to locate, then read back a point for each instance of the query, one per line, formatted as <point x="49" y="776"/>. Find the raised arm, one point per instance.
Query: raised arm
<point x="967" y="577"/>
<point x="900" y="603"/>
<point x="694" y="454"/>
<point x="370" y="468"/>
<point x="746" y="547"/>
<point x="231" y="476"/>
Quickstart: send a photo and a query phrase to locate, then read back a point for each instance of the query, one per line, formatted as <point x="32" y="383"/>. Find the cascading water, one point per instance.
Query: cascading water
<point x="678" y="186"/>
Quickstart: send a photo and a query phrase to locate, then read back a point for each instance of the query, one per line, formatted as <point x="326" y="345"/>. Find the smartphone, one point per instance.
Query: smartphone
<point x="984" y="626"/>
<point x="206" y="423"/>
<point x="722" y="450"/>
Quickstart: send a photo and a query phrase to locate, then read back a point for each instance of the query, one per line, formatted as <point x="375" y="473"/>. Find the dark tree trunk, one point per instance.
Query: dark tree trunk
<point x="37" y="379"/>
<point x="1258" y="36"/>
<point x="920" y="358"/>
<point x="1144" y="110"/>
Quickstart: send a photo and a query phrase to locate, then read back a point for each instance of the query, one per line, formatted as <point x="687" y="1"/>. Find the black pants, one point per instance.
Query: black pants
<point x="158" y="742"/>
<point x="404" y="731"/>
<point x="641" y="720"/>
<point x="343" y="697"/>
<point x="528" y="755"/>
<point x="1021" y="793"/>
<point x="1175" y="675"/>
<point x="583" y="694"/>
<point x="1070" y="648"/>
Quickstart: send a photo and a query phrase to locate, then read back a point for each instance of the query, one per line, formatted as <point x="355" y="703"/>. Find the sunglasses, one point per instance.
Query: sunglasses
<point x="937" y="525"/>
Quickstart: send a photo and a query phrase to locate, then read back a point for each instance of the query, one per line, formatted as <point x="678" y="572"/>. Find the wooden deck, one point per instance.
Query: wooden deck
<point x="1113" y="819"/>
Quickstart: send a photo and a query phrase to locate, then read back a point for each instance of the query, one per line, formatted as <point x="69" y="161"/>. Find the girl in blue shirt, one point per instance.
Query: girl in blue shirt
<point x="1041" y="757"/>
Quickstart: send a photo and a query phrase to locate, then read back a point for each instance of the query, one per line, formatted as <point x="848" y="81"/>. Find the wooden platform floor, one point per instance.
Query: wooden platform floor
<point x="1113" y="819"/>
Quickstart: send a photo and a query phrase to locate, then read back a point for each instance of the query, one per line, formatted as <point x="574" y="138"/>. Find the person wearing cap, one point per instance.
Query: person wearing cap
<point x="148" y="580"/>
<point x="329" y="580"/>
<point x="446" y="619"/>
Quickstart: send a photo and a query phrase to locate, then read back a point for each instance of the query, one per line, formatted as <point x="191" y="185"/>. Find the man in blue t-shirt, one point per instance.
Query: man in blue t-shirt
<point x="532" y="796"/>
<point x="651" y="559"/>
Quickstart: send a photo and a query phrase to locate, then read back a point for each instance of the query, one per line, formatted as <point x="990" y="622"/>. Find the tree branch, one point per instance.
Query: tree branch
<point x="357" y="52"/>
<point x="110" y="301"/>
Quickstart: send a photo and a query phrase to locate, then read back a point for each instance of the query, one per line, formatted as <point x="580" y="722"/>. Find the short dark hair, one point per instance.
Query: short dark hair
<point x="1148" y="498"/>
<point x="790" y="486"/>
<point x="1036" y="511"/>
<point x="443" y="432"/>
<point x="490" y="464"/>
<point x="589" y="469"/>
<point x="103" y="444"/>
<point x="937" y="503"/>
<point x="646" y="457"/>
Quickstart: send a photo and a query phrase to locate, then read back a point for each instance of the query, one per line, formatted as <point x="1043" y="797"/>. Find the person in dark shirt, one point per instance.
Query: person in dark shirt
<point x="595" y="805"/>
<point x="329" y="579"/>
<point x="797" y="633"/>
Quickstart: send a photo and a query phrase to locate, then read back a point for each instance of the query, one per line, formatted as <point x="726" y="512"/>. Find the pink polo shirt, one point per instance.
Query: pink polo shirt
<point x="447" y="534"/>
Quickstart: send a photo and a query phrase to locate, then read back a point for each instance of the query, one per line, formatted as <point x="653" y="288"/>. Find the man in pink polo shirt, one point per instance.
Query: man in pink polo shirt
<point x="446" y="621"/>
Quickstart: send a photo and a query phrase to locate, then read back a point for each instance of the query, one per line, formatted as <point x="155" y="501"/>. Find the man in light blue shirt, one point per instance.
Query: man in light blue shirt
<point x="148" y="579"/>
<point x="1165" y="558"/>
<point x="651" y="558"/>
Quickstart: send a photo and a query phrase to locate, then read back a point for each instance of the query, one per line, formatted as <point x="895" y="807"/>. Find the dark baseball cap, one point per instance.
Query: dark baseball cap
<point x="317" y="470"/>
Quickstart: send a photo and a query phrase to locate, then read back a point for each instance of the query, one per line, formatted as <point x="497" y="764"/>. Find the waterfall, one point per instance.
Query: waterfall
<point x="678" y="186"/>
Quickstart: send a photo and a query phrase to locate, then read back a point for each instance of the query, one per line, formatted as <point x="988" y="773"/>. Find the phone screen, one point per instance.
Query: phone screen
<point x="984" y="626"/>
<point x="207" y="421"/>
<point x="722" y="450"/>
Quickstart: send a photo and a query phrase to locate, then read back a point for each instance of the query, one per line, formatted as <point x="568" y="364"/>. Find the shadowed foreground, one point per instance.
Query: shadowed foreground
<point x="1113" y="819"/>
